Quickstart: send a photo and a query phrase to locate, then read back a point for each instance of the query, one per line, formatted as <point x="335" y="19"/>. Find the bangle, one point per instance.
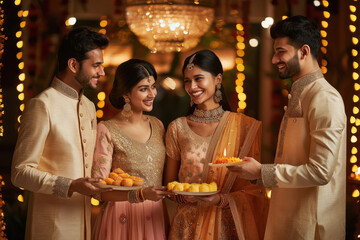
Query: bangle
<point x="132" y="196"/>
<point x="138" y="196"/>
<point x="142" y="197"/>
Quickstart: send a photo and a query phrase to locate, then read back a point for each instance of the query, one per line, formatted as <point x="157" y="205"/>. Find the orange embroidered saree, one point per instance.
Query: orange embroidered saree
<point x="246" y="214"/>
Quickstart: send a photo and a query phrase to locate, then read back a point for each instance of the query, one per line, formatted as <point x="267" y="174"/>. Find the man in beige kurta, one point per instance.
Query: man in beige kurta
<point x="54" y="151"/>
<point x="308" y="177"/>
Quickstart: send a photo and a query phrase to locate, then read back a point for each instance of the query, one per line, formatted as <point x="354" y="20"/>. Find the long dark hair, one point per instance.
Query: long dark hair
<point x="209" y="62"/>
<point x="127" y="75"/>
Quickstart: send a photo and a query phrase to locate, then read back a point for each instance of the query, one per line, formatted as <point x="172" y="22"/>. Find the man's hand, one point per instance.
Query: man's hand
<point x="85" y="186"/>
<point x="250" y="170"/>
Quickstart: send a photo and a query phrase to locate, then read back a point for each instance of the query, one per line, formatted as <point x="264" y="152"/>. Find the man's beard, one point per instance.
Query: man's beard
<point x="292" y="68"/>
<point x="83" y="79"/>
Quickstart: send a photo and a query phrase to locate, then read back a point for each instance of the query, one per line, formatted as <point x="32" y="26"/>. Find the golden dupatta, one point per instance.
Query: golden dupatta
<point x="240" y="136"/>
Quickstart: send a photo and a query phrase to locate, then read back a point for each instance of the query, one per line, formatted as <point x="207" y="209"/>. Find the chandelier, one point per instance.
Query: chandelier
<point x="169" y="26"/>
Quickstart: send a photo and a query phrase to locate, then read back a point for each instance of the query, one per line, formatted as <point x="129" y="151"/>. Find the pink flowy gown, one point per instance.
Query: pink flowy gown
<point x="123" y="220"/>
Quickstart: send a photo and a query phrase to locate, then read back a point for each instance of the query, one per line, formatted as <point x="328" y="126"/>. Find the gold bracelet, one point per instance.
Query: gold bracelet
<point x="142" y="197"/>
<point x="132" y="196"/>
<point x="138" y="196"/>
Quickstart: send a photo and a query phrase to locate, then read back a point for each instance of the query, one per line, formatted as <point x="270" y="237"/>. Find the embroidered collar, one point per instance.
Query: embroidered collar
<point x="65" y="89"/>
<point x="299" y="85"/>
<point x="294" y="108"/>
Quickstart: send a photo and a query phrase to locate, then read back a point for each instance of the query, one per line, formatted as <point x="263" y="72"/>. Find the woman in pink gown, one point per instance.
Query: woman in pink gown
<point x="133" y="142"/>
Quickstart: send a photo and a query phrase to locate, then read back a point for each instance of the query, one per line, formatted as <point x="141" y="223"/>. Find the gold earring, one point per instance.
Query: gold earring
<point x="218" y="94"/>
<point x="127" y="112"/>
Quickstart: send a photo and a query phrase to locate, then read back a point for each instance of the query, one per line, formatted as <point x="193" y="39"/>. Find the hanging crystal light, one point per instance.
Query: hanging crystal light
<point x="169" y="26"/>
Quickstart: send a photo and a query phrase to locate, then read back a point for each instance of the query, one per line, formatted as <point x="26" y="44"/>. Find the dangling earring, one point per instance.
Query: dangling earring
<point x="218" y="94"/>
<point x="191" y="102"/>
<point x="127" y="112"/>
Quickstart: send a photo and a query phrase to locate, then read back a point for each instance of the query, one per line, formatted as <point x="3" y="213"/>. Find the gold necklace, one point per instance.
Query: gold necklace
<point x="207" y="116"/>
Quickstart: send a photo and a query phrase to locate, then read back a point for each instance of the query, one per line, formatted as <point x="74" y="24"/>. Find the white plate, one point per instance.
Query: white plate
<point x="226" y="164"/>
<point x="195" y="193"/>
<point x="121" y="188"/>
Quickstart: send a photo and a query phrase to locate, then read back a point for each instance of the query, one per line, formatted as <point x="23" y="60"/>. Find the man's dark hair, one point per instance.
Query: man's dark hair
<point x="77" y="43"/>
<point x="300" y="30"/>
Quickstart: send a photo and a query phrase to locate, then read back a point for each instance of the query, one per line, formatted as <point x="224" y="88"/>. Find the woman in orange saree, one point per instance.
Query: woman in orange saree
<point x="239" y="210"/>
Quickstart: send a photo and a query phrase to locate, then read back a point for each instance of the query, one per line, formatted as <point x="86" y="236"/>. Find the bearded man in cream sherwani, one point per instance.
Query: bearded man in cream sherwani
<point x="54" y="150"/>
<point x="308" y="178"/>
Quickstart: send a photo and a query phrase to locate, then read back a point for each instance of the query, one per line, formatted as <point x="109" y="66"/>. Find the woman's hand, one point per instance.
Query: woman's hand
<point x="204" y="201"/>
<point x="155" y="193"/>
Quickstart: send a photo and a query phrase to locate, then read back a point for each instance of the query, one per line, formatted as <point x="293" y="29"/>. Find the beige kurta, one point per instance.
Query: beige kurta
<point x="55" y="145"/>
<point x="309" y="175"/>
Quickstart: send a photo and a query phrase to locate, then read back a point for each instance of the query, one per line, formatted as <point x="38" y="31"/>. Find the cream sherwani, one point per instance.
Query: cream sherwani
<point x="308" y="179"/>
<point x="55" y="145"/>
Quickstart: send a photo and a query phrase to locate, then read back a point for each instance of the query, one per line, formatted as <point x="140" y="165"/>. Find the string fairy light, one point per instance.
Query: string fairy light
<point x="22" y="14"/>
<point x="240" y="53"/>
<point x="2" y="183"/>
<point x="2" y="40"/>
<point x="2" y="203"/>
<point x="323" y="32"/>
<point x="103" y="23"/>
<point x="101" y="95"/>
<point x="101" y="103"/>
<point x="354" y="118"/>
<point x="20" y="87"/>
